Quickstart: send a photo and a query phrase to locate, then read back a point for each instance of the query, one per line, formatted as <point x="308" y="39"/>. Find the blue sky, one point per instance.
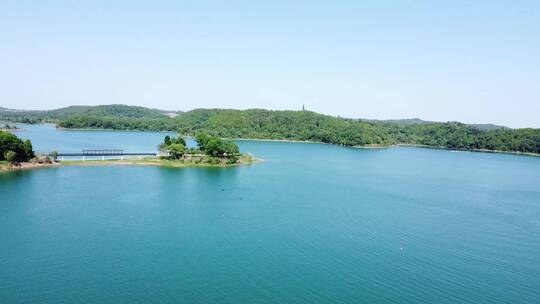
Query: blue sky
<point x="471" y="61"/>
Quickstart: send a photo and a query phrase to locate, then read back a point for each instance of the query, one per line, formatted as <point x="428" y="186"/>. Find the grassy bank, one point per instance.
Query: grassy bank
<point x="167" y="163"/>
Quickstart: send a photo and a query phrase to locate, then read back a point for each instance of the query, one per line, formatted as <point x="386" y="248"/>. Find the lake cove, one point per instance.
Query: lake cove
<point x="312" y="224"/>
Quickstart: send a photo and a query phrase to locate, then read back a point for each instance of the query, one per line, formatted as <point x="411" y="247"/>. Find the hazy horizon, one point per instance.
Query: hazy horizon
<point x="460" y="61"/>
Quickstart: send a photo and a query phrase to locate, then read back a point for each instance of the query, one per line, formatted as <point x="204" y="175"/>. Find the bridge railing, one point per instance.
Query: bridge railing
<point x="102" y="152"/>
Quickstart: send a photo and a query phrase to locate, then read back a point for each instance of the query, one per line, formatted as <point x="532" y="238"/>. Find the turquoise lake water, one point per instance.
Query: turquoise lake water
<point x="312" y="224"/>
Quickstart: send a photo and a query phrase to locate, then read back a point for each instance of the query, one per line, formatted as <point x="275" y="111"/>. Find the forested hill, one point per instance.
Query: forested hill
<point x="292" y="125"/>
<point x="68" y="112"/>
<point x="262" y="124"/>
<point x="295" y="125"/>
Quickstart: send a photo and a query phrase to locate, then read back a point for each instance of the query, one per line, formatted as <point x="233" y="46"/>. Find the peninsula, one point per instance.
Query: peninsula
<point x="211" y="151"/>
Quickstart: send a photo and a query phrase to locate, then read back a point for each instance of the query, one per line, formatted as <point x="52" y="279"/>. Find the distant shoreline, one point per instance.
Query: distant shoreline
<point x="106" y="130"/>
<point x="473" y="150"/>
<point x="376" y="146"/>
<point x="10" y="129"/>
<point x="280" y="140"/>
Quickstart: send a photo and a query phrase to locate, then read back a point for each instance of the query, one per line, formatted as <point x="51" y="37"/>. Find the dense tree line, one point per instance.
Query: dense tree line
<point x="458" y="136"/>
<point x="106" y="111"/>
<point x="14" y="149"/>
<point x="119" y="123"/>
<point x="302" y="125"/>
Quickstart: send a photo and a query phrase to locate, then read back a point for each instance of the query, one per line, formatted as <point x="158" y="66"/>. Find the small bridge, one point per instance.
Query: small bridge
<point x="103" y="153"/>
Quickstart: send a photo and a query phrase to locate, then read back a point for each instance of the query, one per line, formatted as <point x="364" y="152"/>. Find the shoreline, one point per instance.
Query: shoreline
<point x="448" y="149"/>
<point x="4" y="167"/>
<point x="377" y="146"/>
<point x="106" y="130"/>
<point x="153" y="163"/>
<point x="279" y="140"/>
<point x="26" y="166"/>
<point x="473" y="150"/>
<point x="11" y="129"/>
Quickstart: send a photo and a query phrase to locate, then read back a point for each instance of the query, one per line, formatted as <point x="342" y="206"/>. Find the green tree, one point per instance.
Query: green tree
<point x="213" y="146"/>
<point x="28" y="149"/>
<point x="10" y="156"/>
<point x="10" y="142"/>
<point x="179" y="140"/>
<point x="173" y="144"/>
<point x="202" y="140"/>
<point x="176" y="151"/>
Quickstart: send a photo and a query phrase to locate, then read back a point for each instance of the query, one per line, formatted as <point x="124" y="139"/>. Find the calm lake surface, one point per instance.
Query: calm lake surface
<point x="312" y="224"/>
